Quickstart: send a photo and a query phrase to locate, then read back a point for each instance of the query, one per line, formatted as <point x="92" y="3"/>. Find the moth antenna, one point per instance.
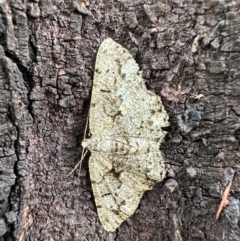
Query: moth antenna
<point x="83" y="151"/>
<point x="85" y="131"/>
<point x="79" y="163"/>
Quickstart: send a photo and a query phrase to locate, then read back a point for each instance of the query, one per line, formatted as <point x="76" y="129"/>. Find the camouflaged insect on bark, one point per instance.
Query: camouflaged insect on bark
<point x="125" y="121"/>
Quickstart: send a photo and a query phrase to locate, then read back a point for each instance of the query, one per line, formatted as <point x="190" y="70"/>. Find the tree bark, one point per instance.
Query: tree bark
<point x="189" y="53"/>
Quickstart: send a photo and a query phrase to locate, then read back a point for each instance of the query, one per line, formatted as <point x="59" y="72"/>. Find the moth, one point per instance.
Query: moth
<point x="125" y="121"/>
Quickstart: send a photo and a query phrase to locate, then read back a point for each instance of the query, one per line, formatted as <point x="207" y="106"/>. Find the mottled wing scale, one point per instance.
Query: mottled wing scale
<point x="123" y="110"/>
<point x="118" y="196"/>
<point x="108" y="85"/>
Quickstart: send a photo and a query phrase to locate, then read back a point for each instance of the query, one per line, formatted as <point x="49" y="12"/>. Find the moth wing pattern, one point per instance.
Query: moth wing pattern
<point x="123" y="110"/>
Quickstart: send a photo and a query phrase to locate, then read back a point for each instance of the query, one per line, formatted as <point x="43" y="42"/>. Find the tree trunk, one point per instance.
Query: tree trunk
<point x="189" y="53"/>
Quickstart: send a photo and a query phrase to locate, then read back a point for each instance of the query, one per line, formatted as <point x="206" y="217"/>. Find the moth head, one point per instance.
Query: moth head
<point x="85" y="143"/>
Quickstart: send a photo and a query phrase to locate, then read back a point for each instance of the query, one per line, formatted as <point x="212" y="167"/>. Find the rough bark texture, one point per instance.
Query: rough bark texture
<point x="189" y="54"/>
